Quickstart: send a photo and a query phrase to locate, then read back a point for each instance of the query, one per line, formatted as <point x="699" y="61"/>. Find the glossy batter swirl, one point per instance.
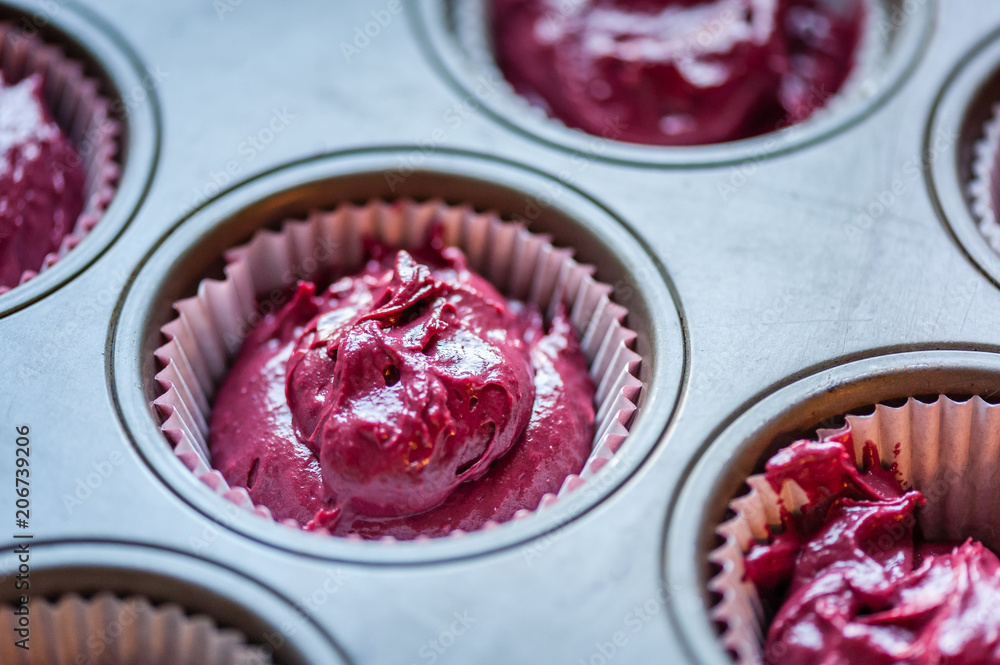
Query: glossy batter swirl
<point x="379" y="405"/>
<point x="677" y="72"/>
<point x="856" y="582"/>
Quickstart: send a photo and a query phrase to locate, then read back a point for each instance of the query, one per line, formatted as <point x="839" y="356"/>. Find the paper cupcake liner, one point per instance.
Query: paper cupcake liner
<point x="211" y="326"/>
<point x="985" y="186"/>
<point x="471" y="24"/>
<point x="107" y="630"/>
<point x="81" y="112"/>
<point x="948" y="450"/>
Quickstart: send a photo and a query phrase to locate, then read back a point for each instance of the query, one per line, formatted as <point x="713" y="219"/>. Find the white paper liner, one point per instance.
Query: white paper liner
<point x="985" y="186"/>
<point x="471" y="23"/>
<point x="74" y="100"/>
<point x="107" y="630"/>
<point x="210" y="327"/>
<point x="948" y="450"/>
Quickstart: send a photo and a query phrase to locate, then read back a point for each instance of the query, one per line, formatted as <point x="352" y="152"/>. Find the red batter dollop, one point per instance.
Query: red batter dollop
<point x="854" y="582"/>
<point x="677" y="72"/>
<point x="41" y="181"/>
<point x="409" y="399"/>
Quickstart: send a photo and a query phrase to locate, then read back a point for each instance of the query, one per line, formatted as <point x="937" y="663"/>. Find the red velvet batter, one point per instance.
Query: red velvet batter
<point x="41" y="181"/>
<point x="852" y="584"/>
<point x="677" y="72"/>
<point x="408" y="399"/>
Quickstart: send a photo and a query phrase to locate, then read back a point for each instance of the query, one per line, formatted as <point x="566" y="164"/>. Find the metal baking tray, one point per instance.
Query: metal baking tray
<point x="774" y="283"/>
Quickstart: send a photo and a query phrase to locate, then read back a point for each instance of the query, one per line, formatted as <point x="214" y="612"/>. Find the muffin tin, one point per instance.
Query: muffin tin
<point x="124" y="81"/>
<point x="774" y="283"/>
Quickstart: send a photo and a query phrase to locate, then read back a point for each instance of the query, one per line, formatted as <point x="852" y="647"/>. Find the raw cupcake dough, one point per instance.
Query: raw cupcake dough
<point x="676" y="72"/>
<point x="851" y="579"/>
<point x="409" y="399"/>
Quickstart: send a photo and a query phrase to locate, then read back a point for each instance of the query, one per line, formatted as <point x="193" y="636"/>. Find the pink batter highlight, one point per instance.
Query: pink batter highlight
<point x="409" y="399"/>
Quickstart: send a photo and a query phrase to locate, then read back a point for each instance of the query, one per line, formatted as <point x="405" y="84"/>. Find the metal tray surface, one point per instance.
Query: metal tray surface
<point x="772" y="288"/>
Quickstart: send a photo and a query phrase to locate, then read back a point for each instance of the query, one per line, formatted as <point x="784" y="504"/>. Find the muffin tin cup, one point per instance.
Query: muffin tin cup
<point x="884" y="56"/>
<point x="947" y="393"/>
<point x="211" y="326"/>
<point x="473" y="31"/>
<point x="947" y="449"/>
<point x="115" y="602"/>
<point x="961" y="151"/>
<point x="84" y="115"/>
<point x="106" y="630"/>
